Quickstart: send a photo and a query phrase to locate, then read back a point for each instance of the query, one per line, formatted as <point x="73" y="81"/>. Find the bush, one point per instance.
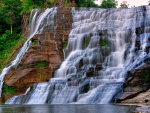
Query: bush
<point x="40" y="64"/>
<point x="8" y="89"/>
<point x="34" y="42"/>
<point x="64" y="44"/>
<point x="147" y="75"/>
<point x="108" y="4"/>
<point x="86" y="41"/>
<point x="8" y="50"/>
<point x="103" y="42"/>
<point x="86" y="3"/>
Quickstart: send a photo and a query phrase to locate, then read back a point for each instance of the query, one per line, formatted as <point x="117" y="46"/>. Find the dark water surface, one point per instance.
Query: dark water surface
<point x="66" y="109"/>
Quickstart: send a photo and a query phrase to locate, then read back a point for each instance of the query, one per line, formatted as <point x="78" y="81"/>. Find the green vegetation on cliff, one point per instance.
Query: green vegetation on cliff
<point x="8" y="89"/>
<point x="147" y="75"/>
<point x="11" y="12"/>
<point x="86" y="41"/>
<point x="40" y="64"/>
<point x="7" y="53"/>
<point x="64" y="44"/>
<point x="103" y="42"/>
<point x="10" y="23"/>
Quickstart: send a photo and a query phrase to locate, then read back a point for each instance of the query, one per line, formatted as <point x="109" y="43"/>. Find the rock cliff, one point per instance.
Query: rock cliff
<point x="43" y="56"/>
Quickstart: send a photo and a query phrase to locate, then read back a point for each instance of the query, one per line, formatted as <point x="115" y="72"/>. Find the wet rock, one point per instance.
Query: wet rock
<point x="98" y="66"/>
<point x="90" y="72"/>
<point x="146" y="100"/>
<point x="136" y="89"/>
<point x="144" y="109"/>
<point x="46" y="47"/>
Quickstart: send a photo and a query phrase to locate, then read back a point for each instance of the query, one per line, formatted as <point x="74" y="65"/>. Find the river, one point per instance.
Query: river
<point x="71" y="108"/>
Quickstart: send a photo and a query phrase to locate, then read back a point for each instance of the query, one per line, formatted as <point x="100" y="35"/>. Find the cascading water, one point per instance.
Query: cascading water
<point x="37" y="19"/>
<point x="103" y="46"/>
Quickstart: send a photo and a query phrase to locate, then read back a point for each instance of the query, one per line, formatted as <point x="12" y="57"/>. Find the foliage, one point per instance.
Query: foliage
<point x="147" y="75"/>
<point x="86" y="3"/>
<point x="103" y="42"/>
<point x="10" y="10"/>
<point x="40" y="64"/>
<point x="8" y="89"/>
<point x="66" y="3"/>
<point x="64" y="44"/>
<point x="7" y="40"/>
<point x="9" y="49"/>
<point x="28" y="5"/>
<point x="124" y="4"/>
<point x="34" y="42"/>
<point x="86" y="41"/>
<point x="108" y="4"/>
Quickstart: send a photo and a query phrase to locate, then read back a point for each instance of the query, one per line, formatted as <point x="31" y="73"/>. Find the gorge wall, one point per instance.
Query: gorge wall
<point x="106" y="59"/>
<point x="44" y="55"/>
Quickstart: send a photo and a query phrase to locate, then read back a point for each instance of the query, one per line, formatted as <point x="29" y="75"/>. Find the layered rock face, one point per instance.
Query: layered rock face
<point x="43" y="56"/>
<point x="136" y="88"/>
<point x="107" y="49"/>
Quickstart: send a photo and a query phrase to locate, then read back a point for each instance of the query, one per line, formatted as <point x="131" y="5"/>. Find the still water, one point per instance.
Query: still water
<point x="66" y="109"/>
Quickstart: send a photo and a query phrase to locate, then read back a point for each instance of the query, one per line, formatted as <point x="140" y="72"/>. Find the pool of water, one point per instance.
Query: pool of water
<point x="69" y="108"/>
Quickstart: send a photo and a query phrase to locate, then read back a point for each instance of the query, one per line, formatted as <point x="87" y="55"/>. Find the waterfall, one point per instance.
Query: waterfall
<point x="103" y="46"/>
<point x="37" y="18"/>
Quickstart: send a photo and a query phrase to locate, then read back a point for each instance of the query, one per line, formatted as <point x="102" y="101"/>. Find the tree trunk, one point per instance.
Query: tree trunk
<point x="11" y="28"/>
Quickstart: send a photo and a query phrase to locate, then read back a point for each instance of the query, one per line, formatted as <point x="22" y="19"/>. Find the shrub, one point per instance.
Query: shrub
<point x="40" y="64"/>
<point x="86" y="3"/>
<point x="103" y="42"/>
<point x="7" y="51"/>
<point x="64" y="44"/>
<point x="34" y="42"/>
<point x="8" y="89"/>
<point x="147" y="75"/>
<point x="86" y="41"/>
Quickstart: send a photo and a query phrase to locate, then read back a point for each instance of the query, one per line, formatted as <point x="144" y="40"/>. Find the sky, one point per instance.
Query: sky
<point x="130" y="2"/>
<point x="134" y="2"/>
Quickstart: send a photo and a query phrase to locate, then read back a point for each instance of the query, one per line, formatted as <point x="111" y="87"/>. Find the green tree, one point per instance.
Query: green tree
<point x="124" y="4"/>
<point x="86" y="3"/>
<point x="108" y="4"/>
<point x="11" y="10"/>
<point x="28" y="5"/>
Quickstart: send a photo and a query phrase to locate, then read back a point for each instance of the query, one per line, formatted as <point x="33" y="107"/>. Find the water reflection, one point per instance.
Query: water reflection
<point x="66" y="109"/>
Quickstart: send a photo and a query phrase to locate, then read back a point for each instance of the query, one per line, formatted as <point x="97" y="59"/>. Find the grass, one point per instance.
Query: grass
<point x="40" y="64"/>
<point x="6" y="55"/>
<point x="8" y="89"/>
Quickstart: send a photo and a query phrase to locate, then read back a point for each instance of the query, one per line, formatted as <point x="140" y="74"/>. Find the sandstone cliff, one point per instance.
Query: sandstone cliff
<point x="43" y="56"/>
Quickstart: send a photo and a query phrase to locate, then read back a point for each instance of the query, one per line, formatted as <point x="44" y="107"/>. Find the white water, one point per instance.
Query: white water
<point x="78" y="80"/>
<point x="37" y="18"/>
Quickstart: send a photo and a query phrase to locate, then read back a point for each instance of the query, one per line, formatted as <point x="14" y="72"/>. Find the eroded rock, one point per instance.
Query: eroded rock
<point x="46" y="47"/>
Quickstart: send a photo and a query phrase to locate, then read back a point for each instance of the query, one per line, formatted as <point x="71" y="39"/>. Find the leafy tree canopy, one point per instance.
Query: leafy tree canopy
<point x="86" y="3"/>
<point x="108" y="4"/>
<point x="124" y="4"/>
